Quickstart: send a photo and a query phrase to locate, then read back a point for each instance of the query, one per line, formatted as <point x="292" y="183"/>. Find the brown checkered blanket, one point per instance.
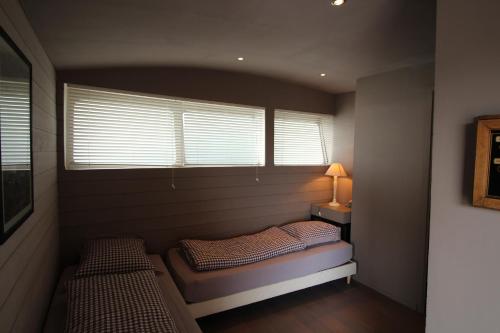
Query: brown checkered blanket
<point x="205" y="255"/>
<point x="130" y="302"/>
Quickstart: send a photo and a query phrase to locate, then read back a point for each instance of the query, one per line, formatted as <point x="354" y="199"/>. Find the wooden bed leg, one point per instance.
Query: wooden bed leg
<point x="349" y="279"/>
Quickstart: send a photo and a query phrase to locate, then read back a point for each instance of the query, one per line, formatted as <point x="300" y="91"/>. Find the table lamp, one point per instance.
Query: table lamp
<point x="335" y="170"/>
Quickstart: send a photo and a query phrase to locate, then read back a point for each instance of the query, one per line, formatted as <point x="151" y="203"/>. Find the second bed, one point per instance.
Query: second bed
<point x="214" y="291"/>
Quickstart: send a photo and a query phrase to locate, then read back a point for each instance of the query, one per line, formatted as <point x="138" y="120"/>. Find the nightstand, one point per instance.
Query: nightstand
<point x="339" y="216"/>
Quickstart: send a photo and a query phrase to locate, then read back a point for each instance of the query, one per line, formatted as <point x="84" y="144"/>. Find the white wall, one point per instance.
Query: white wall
<point x="28" y="259"/>
<point x="464" y="256"/>
<point x="391" y="182"/>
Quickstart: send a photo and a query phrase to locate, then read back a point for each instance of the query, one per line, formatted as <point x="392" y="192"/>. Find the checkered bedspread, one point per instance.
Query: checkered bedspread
<point x="130" y="302"/>
<point x="205" y="255"/>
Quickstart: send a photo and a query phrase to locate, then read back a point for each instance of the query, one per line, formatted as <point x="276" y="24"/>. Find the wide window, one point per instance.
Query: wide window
<point x="109" y="129"/>
<point x="302" y="138"/>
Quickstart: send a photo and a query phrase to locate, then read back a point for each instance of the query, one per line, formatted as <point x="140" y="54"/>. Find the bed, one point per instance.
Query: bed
<point x="219" y="290"/>
<point x="56" y="318"/>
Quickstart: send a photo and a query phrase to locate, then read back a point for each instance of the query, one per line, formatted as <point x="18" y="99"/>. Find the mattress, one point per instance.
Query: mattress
<point x="201" y="286"/>
<point x="56" y="318"/>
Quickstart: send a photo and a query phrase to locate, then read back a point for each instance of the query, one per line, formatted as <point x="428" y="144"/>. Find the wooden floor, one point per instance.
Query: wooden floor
<point x="332" y="307"/>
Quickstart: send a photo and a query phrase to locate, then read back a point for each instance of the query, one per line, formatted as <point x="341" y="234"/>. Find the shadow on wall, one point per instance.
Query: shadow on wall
<point x="469" y="162"/>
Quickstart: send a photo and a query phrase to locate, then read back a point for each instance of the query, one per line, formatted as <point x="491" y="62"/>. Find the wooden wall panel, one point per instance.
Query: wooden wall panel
<point x="207" y="202"/>
<point x="29" y="258"/>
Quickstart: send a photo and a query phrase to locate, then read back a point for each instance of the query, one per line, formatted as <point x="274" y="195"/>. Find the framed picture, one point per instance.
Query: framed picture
<point x="16" y="156"/>
<point x="487" y="169"/>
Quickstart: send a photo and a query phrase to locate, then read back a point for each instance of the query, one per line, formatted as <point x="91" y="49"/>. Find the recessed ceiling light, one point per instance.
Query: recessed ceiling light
<point x="338" y="2"/>
<point x="323" y="74"/>
<point x="241" y="58"/>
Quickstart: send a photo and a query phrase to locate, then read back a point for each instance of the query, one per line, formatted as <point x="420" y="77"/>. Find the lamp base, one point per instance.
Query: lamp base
<point x="334" y="204"/>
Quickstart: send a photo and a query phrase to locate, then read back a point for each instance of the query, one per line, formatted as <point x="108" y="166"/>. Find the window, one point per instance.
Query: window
<point x="108" y="129"/>
<point x="302" y="138"/>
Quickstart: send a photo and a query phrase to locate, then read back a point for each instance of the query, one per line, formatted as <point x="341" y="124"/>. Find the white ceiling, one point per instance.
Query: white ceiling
<point x="294" y="40"/>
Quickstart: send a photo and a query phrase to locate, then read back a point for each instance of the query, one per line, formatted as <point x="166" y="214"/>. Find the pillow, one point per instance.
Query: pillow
<point x="313" y="232"/>
<point x="113" y="255"/>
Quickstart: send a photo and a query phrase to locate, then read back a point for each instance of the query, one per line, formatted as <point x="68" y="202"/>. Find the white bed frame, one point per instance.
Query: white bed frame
<point x="224" y="303"/>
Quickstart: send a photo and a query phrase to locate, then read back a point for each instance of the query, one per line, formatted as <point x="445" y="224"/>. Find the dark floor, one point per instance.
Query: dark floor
<point x="332" y="307"/>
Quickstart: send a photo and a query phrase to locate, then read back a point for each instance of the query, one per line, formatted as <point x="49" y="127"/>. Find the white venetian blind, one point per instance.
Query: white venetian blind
<point x="302" y="138"/>
<point x="108" y="129"/>
<point x="216" y="134"/>
<point x="15" y="124"/>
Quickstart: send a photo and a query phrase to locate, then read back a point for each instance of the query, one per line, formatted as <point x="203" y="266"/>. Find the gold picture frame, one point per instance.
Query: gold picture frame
<point x="487" y="166"/>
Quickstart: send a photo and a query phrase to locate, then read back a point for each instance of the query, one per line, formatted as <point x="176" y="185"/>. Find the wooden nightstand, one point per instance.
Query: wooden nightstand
<point x="339" y="216"/>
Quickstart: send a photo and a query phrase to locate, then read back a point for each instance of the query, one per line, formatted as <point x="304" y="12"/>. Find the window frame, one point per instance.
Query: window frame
<point x="70" y="167"/>
<point x="325" y="148"/>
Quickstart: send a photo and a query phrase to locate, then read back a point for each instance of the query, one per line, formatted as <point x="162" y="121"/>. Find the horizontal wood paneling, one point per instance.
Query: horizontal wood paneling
<point x="43" y="101"/>
<point x="174" y="214"/>
<point x="21" y="259"/>
<point x="219" y="197"/>
<point x="47" y="273"/>
<point x="29" y="258"/>
<point x="34" y="227"/>
<point x="183" y="184"/>
<point x="29" y="279"/>
<point x="105" y="174"/>
<point x="206" y="202"/>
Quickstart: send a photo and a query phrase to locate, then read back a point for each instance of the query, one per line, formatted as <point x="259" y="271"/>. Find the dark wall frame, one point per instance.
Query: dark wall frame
<point x="4" y="235"/>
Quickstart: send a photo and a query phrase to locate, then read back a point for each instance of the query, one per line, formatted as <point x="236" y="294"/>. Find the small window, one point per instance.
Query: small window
<point x="302" y="138"/>
<point x="109" y="129"/>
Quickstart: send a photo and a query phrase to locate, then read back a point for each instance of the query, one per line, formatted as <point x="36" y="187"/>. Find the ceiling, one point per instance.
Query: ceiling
<point x="295" y="40"/>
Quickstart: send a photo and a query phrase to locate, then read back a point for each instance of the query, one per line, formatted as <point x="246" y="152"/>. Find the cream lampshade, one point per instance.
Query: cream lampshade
<point x="335" y="170"/>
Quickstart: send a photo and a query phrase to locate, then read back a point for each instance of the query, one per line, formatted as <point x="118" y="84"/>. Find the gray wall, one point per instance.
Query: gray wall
<point x="344" y="142"/>
<point x="28" y="259"/>
<point x="390" y="190"/>
<point x="207" y="202"/>
<point x="464" y="264"/>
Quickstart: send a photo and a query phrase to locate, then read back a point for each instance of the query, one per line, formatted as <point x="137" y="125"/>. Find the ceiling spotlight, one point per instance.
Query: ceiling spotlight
<point x="241" y="58"/>
<point x="323" y="74"/>
<point x="338" y="2"/>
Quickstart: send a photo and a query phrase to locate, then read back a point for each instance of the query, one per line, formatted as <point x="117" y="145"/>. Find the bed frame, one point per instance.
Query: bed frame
<point x="224" y="303"/>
